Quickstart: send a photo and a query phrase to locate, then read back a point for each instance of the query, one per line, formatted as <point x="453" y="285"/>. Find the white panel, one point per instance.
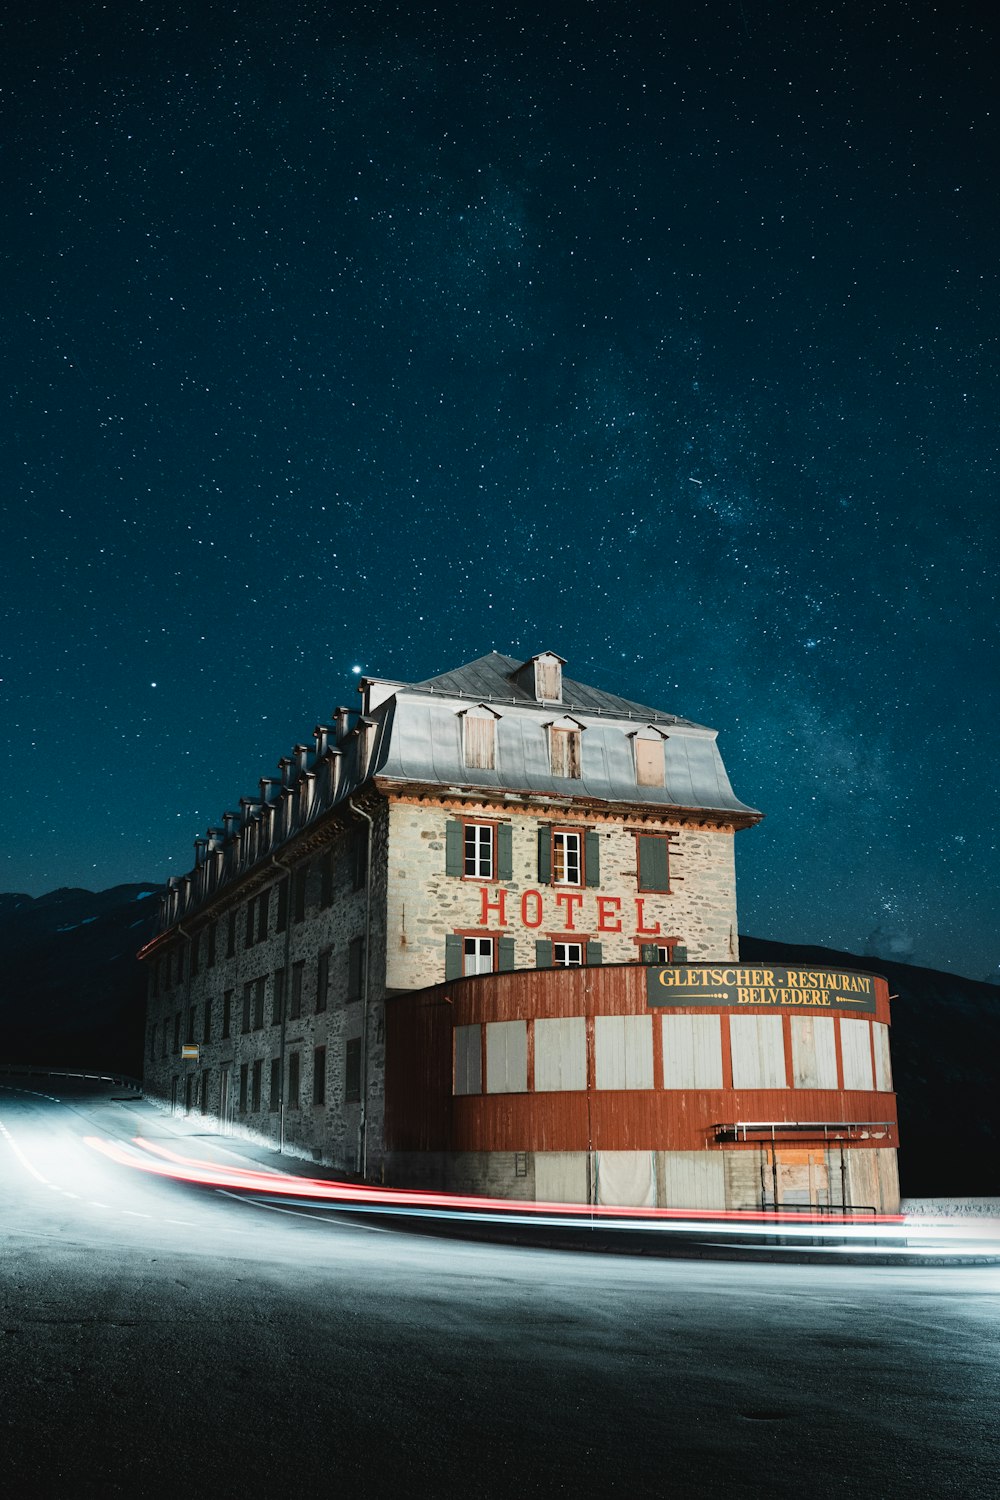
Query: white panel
<point x="692" y="1054"/>
<point x="626" y="1178"/>
<point x="883" y="1068"/>
<point x="561" y="1055"/>
<point x="743" y="1178"/>
<point x="468" y="1060"/>
<point x="814" y="1052"/>
<point x="623" y="1047"/>
<point x="856" y="1050"/>
<point x="758" y="1052"/>
<point x="863" y="1187"/>
<point x="888" y="1175"/>
<point x="506" y="1057"/>
<point x="694" y="1179"/>
<point x="561" y="1177"/>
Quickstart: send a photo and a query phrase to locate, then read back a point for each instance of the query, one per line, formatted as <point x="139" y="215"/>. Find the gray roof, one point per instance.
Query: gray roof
<point x="490" y="677"/>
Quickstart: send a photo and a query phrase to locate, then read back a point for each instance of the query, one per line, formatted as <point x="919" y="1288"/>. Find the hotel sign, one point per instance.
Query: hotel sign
<point x="753" y="988"/>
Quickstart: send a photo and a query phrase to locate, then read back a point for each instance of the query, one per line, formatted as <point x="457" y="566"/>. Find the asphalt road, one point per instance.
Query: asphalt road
<point x="158" y="1339"/>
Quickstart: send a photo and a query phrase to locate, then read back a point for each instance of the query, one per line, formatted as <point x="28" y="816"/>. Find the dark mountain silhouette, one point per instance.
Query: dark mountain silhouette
<point x="945" y="1044"/>
<point x="72" y="993"/>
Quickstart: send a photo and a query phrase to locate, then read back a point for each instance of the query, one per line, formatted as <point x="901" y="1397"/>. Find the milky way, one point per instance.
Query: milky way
<point x="385" y="336"/>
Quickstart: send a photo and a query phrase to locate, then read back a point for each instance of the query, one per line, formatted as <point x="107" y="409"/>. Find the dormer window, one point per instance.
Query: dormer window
<point x="564" y="748"/>
<point x="541" y="677"/>
<point x="649" y="744"/>
<point x="479" y="749"/>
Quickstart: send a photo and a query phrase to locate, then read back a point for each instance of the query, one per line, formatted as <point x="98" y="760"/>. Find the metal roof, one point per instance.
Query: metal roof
<point x="491" y="677"/>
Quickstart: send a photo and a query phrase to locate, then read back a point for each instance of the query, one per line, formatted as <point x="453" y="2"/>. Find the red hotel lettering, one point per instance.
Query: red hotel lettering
<point x="569" y="897"/>
<point x="640" y="922"/>
<point x="535" y="896"/>
<point x="608" y="907"/>
<point x="499" y="906"/>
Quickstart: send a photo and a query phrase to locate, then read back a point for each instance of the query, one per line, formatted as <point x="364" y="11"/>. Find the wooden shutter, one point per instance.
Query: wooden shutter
<point x="595" y="953"/>
<point x="454" y="848"/>
<point x="654" y="873"/>
<point x="592" y="857"/>
<point x="680" y="954"/>
<point x="505" y="852"/>
<point x="453" y="951"/>
<point x="505" y="955"/>
<point x="648" y="954"/>
<point x="545" y="855"/>
<point x="543" y="953"/>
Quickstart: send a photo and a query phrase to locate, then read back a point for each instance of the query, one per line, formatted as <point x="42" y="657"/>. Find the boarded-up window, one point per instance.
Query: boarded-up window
<point x="623" y="1048"/>
<point x="479" y="736"/>
<point x="758" y="1052"/>
<point x="814" y="1053"/>
<point x="653" y="852"/>
<point x="855" y="1047"/>
<point x="695" y="1179"/>
<point x="649" y="762"/>
<point x="548" y="678"/>
<point x="506" y="1057"/>
<point x="626" y="1178"/>
<point x="468" y="1060"/>
<point x="561" y="1054"/>
<point x="883" y="1069"/>
<point x="352" y="1071"/>
<point x="565" y="752"/>
<point x="692" y="1052"/>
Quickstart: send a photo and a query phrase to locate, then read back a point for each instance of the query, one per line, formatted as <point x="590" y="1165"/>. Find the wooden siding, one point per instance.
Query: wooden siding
<point x="422" y="1113"/>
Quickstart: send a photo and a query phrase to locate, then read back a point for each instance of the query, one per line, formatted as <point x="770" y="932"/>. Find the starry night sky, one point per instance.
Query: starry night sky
<point x="661" y="336"/>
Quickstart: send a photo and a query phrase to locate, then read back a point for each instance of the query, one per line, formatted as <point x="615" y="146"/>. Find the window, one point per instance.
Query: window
<point x="567" y="955"/>
<point x="295" y="1008"/>
<point x="566" y="858"/>
<point x="649" y="760"/>
<point x="227" y="1013"/>
<point x="244" y="1073"/>
<point x="326" y="880"/>
<point x="355" y="968"/>
<point x="251" y="908"/>
<point x="210" y="960"/>
<point x="247" y="1001"/>
<point x="506" y="1057"/>
<point x="206" y="1035"/>
<point x="275" y="1084"/>
<point x="479" y="850"/>
<point x="263" y="902"/>
<point x="352" y="1071"/>
<point x="653" y="861"/>
<point x="623" y="1052"/>
<point x="322" y="980"/>
<point x="319" y="1076"/>
<point x="258" y="1068"/>
<point x="277" y="1011"/>
<point x="359" y="858"/>
<point x="281" y="922"/>
<point x="259" y="986"/>
<point x="560" y="1054"/>
<point x="299" y="893"/>
<point x="293" y="1080"/>
<point x="204" y="1092"/>
<point x="477" y="955"/>
<point x="231" y="935"/>
<point x="479" y="739"/>
<point x="565" y="748"/>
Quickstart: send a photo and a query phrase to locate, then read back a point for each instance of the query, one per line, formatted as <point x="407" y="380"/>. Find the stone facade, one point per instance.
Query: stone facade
<point x="347" y="881"/>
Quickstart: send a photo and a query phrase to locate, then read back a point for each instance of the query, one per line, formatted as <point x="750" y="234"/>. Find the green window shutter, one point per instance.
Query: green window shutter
<point x="680" y="954"/>
<point x="592" y="857"/>
<point x="505" y="956"/>
<point x="543" y="954"/>
<point x="648" y="954"/>
<point x="653" y="869"/>
<point x="454" y="848"/>
<point x="545" y="856"/>
<point x="453" y="953"/>
<point x="595" y="954"/>
<point x="505" y="852"/>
